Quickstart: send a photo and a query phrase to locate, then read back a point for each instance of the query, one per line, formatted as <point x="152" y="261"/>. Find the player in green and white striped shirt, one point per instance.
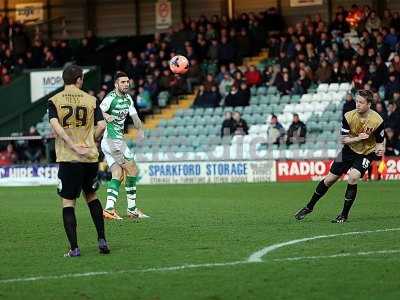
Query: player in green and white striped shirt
<point x="116" y="107"/>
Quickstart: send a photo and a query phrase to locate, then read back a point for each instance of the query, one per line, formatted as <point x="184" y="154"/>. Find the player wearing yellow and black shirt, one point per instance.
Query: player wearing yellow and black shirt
<point x="362" y="136"/>
<point x="77" y="120"/>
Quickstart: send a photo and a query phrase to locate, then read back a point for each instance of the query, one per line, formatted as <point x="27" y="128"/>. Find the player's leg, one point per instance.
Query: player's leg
<point x="319" y="192"/>
<point x="360" y="166"/>
<point x="340" y="166"/>
<point x="113" y="192"/>
<point x="69" y="187"/>
<point x="69" y="220"/>
<point x="90" y="186"/>
<point x="114" y="184"/>
<point x="130" y="186"/>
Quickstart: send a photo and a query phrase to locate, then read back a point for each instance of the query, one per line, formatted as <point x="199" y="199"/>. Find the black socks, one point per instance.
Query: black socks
<point x="70" y="226"/>
<point x="320" y="191"/>
<point x="96" y="211"/>
<point x="349" y="197"/>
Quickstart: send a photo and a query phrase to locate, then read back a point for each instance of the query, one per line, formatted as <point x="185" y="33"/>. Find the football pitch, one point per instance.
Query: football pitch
<point x="228" y="241"/>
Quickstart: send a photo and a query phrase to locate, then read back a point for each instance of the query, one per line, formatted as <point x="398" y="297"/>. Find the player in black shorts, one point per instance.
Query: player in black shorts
<point x="362" y="135"/>
<point x="78" y="122"/>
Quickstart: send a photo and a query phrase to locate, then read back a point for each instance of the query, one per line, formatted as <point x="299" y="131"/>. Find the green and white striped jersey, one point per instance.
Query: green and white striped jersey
<point x="119" y="107"/>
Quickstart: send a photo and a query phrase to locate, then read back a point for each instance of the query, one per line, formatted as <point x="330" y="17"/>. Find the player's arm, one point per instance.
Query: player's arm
<point x="137" y="123"/>
<point x="380" y="140"/>
<point x="60" y="132"/>
<point x="345" y="131"/>
<point x="105" y="106"/>
<point x="98" y="122"/>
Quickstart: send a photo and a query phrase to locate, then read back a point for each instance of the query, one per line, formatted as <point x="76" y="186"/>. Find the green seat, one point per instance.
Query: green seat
<point x="262" y="90"/>
<point x="285" y="99"/>
<point x="188" y="112"/>
<point x="263" y="100"/>
<point x="208" y="111"/>
<point x="198" y="112"/>
<point x="295" y="99"/>
<point x="218" y="111"/>
<point x="163" y="123"/>
<point x="254" y="100"/>
<point x="272" y="90"/>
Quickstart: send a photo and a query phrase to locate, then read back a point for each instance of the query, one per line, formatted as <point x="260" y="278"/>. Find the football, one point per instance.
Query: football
<point x="179" y="64"/>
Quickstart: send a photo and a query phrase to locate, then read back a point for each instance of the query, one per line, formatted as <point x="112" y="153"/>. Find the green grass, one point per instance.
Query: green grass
<point x="198" y="224"/>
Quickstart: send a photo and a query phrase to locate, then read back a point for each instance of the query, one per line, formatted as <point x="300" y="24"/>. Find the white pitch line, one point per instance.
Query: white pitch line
<point x="337" y="255"/>
<point x="254" y="258"/>
<point x="163" y="269"/>
<point x="257" y="256"/>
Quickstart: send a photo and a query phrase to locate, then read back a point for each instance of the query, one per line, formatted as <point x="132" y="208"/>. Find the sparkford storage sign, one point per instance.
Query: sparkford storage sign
<point x="207" y="172"/>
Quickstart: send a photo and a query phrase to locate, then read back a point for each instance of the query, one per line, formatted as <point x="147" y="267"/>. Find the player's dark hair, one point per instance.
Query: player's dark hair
<point x="71" y="74"/>
<point x="120" y="74"/>
<point x="367" y="95"/>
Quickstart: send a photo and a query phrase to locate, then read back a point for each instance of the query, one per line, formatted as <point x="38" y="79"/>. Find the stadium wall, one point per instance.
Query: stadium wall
<point x="210" y="172"/>
<point x="393" y="5"/>
<point x="196" y="8"/>
<point x="255" y="6"/>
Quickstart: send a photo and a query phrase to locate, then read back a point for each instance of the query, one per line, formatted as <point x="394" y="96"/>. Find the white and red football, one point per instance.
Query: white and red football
<point x="179" y="64"/>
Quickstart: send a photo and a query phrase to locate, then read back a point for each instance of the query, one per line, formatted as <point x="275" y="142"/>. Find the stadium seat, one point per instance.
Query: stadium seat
<point x="322" y="88"/>
<point x="272" y="90"/>
<point x="253" y="100"/>
<point x="345" y="86"/>
<point x="333" y="87"/>
<point x="208" y="111"/>
<point x="262" y="90"/>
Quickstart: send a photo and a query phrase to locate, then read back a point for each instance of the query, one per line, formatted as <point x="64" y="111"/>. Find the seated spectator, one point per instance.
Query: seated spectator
<point x="324" y="72"/>
<point x="206" y="98"/>
<point x="372" y="77"/>
<point x="381" y="111"/>
<point x="393" y="120"/>
<point x="151" y="86"/>
<point x="194" y="75"/>
<point x="209" y="82"/>
<point x="391" y="39"/>
<point x="226" y="85"/>
<point x="297" y="131"/>
<point x="245" y="94"/>
<point x="275" y="131"/>
<point x="373" y="22"/>
<point x="286" y="86"/>
<point x="340" y="24"/>
<point x="392" y="86"/>
<point x="143" y="101"/>
<point x="240" y="126"/>
<point x="302" y="84"/>
<point x="8" y="156"/>
<point x="237" y="97"/>
<point x="358" y="78"/>
<point x="253" y="76"/>
<point x="227" y="128"/>
<point x="392" y="143"/>
<point x="33" y="152"/>
<point x="349" y="103"/>
<point x="221" y="74"/>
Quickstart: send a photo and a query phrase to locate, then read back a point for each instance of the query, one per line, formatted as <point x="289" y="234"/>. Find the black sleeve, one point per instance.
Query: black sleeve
<point x="345" y="127"/>
<point x="98" y="115"/>
<point x="380" y="133"/>
<point x="52" y="110"/>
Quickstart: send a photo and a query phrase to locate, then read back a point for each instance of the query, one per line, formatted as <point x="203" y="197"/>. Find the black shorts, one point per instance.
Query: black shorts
<point x="75" y="177"/>
<point x="347" y="159"/>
